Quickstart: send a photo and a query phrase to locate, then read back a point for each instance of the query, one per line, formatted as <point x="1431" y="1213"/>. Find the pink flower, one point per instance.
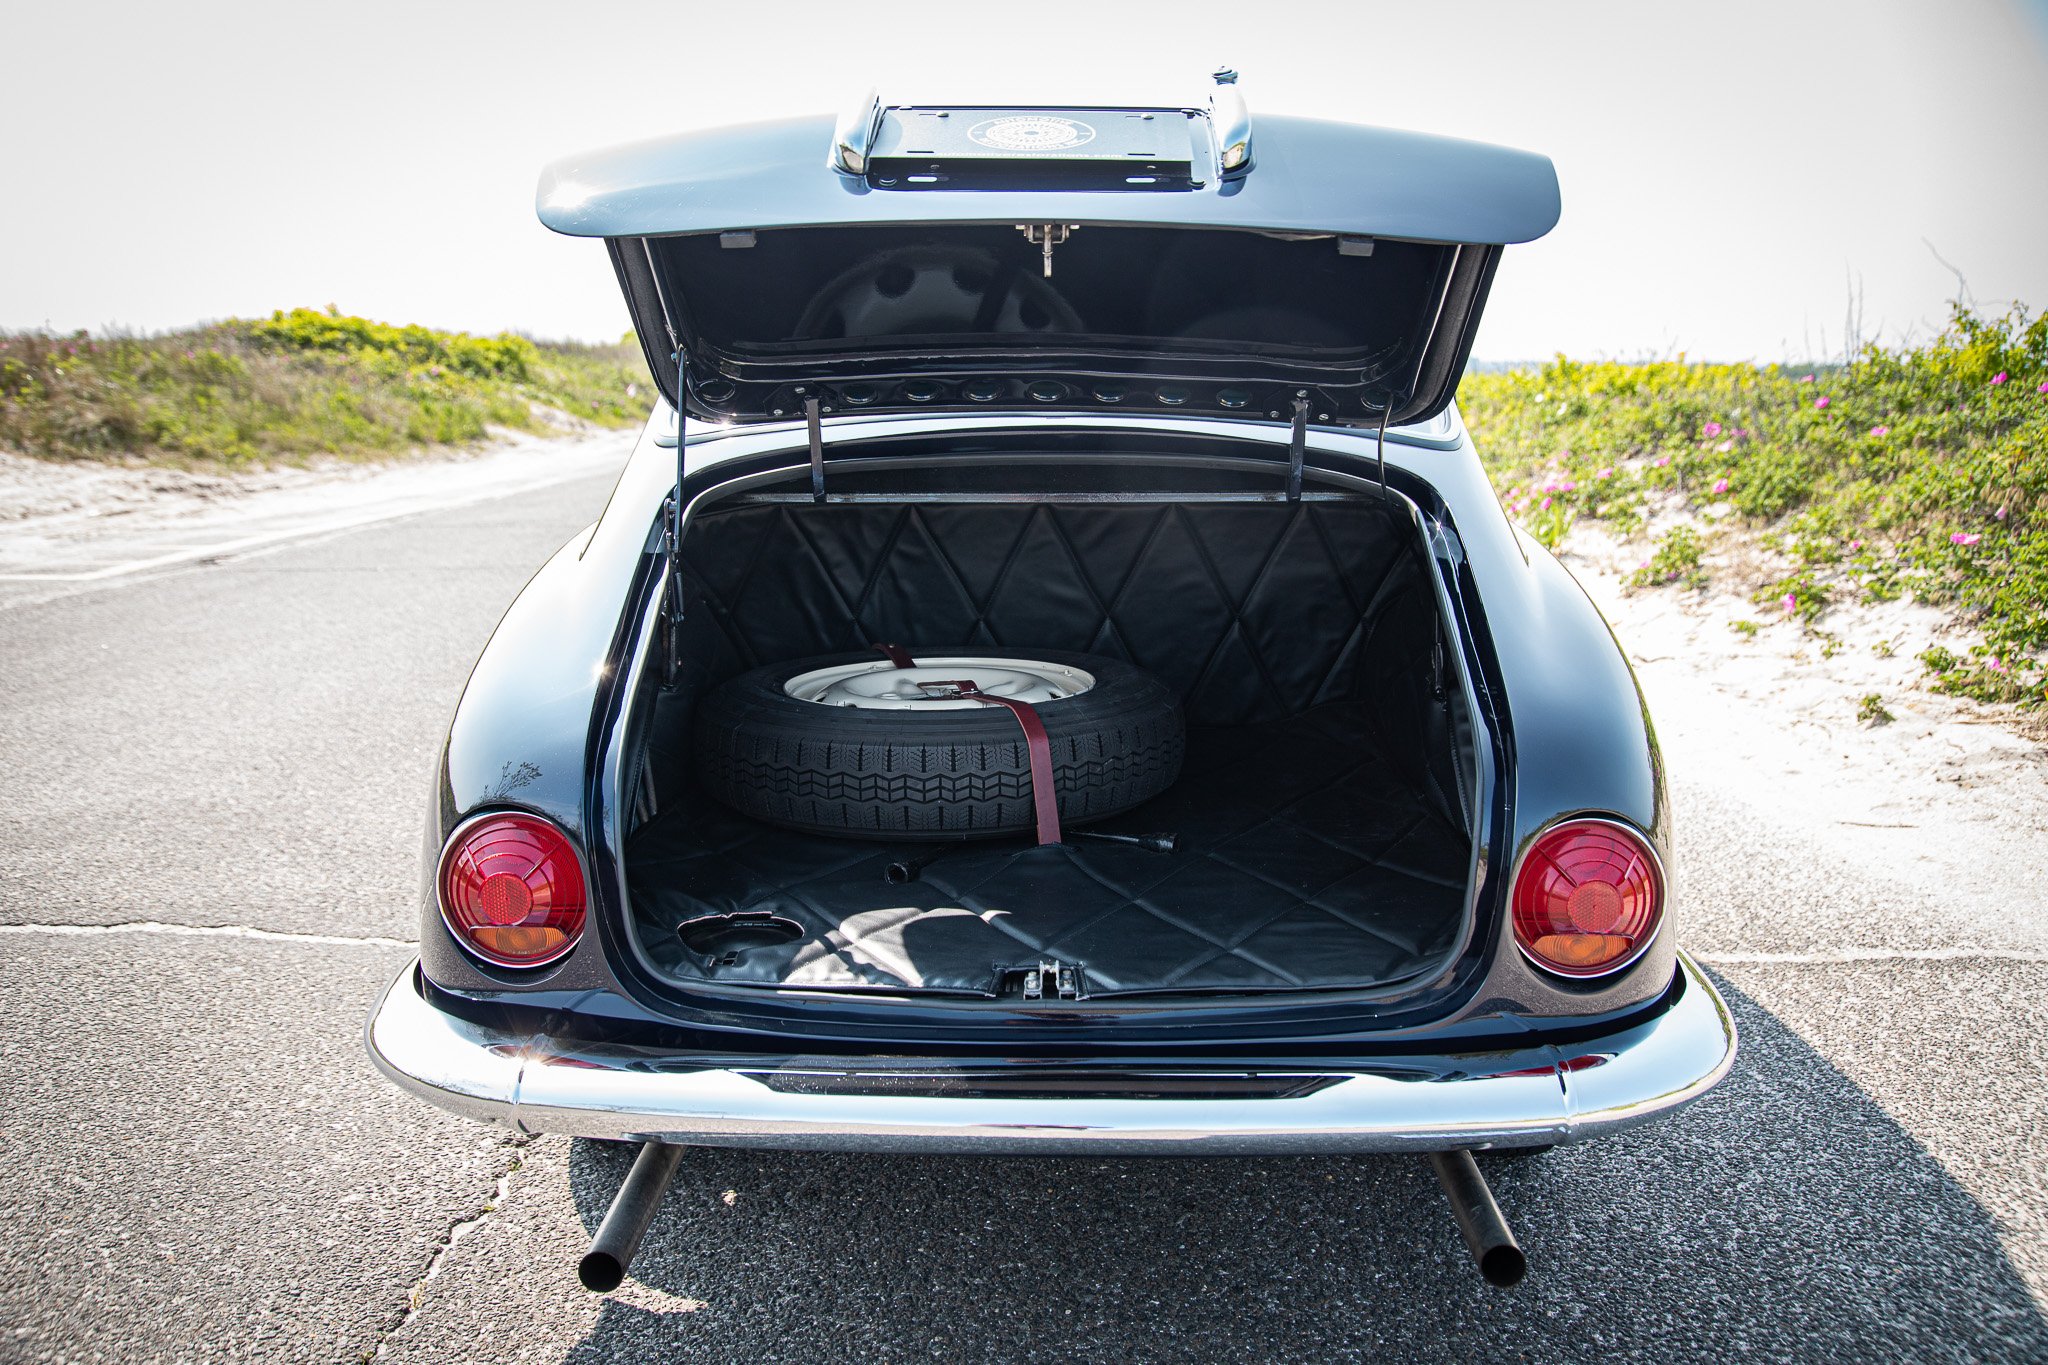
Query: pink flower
<point x="1568" y="486"/>
<point x="1964" y="538"/>
<point x="1644" y="565"/>
<point x="1806" y="379"/>
<point x="2000" y="514"/>
<point x="1855" y="544"/>
<point x="1720" y="485"/>
<point x="1550" y="486"/>
<point x="1997" y="664"/>
<point x="1607" y="473"/>
<point x="1545" y="507"/>
<point x="1789" y="602"/>
<point x="1820" y="402"/>
<point x="2043" y="388"/>
<point x="1998" y="379"/>
<point x="1725" y="447"/>
<point x="1712" y="429"/>
<point x="1661" y="461"/>
<point x="1880" y="431"/>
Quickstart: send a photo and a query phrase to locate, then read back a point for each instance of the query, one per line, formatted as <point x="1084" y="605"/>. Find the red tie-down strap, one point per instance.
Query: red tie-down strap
<point x="1037" y="744"/>
<point x="898" y="655"/>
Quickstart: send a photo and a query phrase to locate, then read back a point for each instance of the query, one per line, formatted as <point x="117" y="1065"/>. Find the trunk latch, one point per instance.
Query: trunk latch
<point x="1049" y="978"/>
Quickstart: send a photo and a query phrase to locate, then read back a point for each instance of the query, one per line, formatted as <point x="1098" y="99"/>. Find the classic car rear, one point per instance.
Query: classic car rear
<point x="1053" y="677"/>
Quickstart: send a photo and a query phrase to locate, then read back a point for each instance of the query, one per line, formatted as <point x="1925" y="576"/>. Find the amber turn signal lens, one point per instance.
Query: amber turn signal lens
<point x="1587" y="899"/>
<point x="512" y="890"/>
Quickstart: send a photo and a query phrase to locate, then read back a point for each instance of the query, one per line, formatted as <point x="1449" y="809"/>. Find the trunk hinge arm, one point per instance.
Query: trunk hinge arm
<point x="816" y="430"/>
<point x="1297" y="447"/>
<point x="1380" y="446"/>
<point x="1388" y="400"/>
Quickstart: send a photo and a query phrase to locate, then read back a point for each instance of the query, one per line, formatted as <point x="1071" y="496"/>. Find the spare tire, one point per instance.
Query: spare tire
<point x="850" y="745"/>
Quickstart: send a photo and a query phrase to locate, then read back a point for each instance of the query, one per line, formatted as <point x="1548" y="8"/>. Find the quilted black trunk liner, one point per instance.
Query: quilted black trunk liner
<point x="1306" y="861"/>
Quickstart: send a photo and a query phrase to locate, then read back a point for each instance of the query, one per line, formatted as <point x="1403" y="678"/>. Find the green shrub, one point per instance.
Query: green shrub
<point x="380" y="343"/>
<point x="1675" y="560"/>
<point x="1918" y="470"/>
<point x="297" y="384"/>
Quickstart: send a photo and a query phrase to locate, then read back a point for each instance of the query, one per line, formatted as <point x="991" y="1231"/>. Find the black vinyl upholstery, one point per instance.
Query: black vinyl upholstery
<point x="1321" y="811"/>
<point x="1305" y="862"/>
<point x="1251" y="611"/>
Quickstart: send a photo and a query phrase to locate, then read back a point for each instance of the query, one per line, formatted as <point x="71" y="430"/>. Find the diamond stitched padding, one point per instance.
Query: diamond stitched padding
<point x="1306" y="862"/>
<point x="1252" y="612"/>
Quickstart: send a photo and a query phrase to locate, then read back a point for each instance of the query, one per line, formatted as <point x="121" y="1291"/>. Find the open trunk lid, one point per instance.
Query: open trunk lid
<point x="1149" y="260"/>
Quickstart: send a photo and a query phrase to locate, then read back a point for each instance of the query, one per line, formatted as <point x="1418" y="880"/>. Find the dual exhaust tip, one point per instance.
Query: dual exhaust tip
<point x="603" y="1267"/>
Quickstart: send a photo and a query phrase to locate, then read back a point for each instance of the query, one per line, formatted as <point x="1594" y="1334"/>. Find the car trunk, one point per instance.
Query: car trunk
<point x="1323" y="814"/>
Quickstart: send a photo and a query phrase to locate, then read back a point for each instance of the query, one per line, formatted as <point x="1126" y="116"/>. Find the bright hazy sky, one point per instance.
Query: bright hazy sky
<point x="1730" y="169"/>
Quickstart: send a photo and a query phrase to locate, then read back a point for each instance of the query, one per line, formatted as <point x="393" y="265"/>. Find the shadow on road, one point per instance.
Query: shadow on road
<point x="1785" y="1216"/>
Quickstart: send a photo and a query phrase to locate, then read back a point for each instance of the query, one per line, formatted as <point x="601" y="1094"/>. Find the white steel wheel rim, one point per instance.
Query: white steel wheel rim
<point x="881" y="686"/>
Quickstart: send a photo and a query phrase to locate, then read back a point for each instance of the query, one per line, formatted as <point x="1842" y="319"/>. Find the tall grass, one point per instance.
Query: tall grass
<point x="296" y="384"/>
<point x="1920" y="470"/>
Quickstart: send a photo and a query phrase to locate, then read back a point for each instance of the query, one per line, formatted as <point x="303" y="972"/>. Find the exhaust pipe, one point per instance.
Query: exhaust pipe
<point x="603" y="1267"/>
<point x="1493" y="1247"/>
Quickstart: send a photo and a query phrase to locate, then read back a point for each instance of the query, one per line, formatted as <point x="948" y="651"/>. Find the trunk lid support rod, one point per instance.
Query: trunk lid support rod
<point x="672" y="531"/>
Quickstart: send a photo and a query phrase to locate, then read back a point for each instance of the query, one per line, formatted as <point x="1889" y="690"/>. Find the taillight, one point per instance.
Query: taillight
<point x="1587" y="899"/>
<point x="512" y="890"/>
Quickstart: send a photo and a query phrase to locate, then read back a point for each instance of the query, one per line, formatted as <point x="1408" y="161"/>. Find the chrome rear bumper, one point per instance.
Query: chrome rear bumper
<point x="1529" y="1097"/>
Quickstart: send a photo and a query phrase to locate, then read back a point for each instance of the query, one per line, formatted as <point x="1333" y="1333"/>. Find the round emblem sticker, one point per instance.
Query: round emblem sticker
<point x="1031" y="133"/>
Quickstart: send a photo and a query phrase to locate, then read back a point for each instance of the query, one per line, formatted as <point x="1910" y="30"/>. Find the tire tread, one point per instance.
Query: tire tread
<point x="760" y="752"/>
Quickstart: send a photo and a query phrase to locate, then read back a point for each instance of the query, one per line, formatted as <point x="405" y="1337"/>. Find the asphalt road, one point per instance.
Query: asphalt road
<point x="198" y="1163"/>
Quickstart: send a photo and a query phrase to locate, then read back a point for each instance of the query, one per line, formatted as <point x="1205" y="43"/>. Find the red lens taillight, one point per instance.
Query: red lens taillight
<point x="512" y="890"/>
<point x="1587" y="899"/>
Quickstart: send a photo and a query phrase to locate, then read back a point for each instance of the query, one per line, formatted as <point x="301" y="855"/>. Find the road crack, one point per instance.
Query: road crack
<point x="458" y="1229"/>
<point x="208" y="931"/>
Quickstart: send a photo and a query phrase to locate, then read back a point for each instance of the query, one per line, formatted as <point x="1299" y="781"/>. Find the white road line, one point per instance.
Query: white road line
<point x="205" y="931"/>
<point x="1848" y="955"/>
<point x="302" y="531"/>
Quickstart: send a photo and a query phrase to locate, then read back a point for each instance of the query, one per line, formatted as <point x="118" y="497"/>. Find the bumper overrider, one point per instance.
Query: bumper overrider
<point x="1527" y="1097"/>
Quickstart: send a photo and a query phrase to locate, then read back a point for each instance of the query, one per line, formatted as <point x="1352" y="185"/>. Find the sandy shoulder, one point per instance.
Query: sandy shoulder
<point x="1949" y="797"/>
<point x="63" y="519"/>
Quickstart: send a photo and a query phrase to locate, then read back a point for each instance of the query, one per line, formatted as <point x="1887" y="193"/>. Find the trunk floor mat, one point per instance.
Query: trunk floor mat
<point x="1305" y="861"/>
